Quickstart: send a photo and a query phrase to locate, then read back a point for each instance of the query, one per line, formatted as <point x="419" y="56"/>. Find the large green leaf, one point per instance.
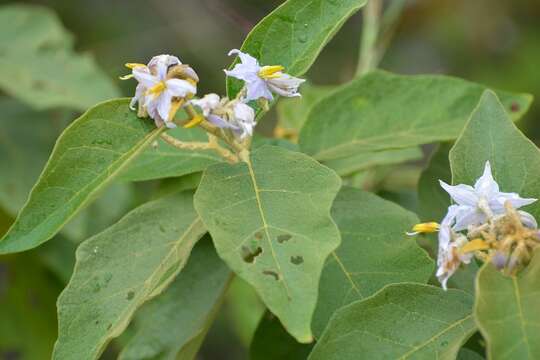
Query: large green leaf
<point x="173" y="325"/>
<point x="270" y="221"/>
<point x="272" y="342"/>
<point x="491" y="135"/>
<point x="382" y="111"/>
<point x="121" y="268"/>
<point x="402" y="321"/>
<point x="87" y="156"/>
<point x="374" y="252"/>
<point x="294" y="34"/>
<point x="506" y="310"/>
<point x="38" y="65"/>
<point x="162" y="160"/>
<point x="27" y="308"/>
<point x="26" y="138"/>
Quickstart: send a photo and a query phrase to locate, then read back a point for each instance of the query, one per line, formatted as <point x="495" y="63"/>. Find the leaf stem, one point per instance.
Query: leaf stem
<point x="212" y="144"/>
<point x="370" y="31"/>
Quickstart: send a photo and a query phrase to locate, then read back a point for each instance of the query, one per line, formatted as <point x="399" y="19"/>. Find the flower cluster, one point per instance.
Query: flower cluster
<point x="496" y="230"/>
<point x="165" y="85"/>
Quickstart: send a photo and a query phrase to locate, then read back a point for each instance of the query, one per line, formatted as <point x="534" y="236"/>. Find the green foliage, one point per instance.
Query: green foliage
<point x="38" y="65"/>
<point x="271" y="342"/>
<point x="120" y="269"/>
<point x="401" y="321"/>
<point x="294" y="34"/>
<point x="270" y="221"/>
<point x="173" y="325"/>
<point x="382" y="111"/>
<point x="87" y="156"/>
<point x="506" y="310"/>
<point x="491" y="135"/>
<point x="374" y="252"/>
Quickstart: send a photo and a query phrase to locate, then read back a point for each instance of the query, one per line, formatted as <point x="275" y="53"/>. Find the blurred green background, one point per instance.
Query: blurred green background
<point x="495" y="42"/>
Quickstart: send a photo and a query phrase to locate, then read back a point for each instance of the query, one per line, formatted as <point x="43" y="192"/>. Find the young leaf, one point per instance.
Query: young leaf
<point x="506" y="310"/>
<point x="402" y="321"/>
<point x="374" y="252"/>
<point x="164" y="161"/>
<point x="39" y="67"/>
<point x="175" y="323"/>
<point x="87" y="156"/>
<point x="382" y="111"/>
<point x="120" y="269"/>
<point x="271" y="342"/>
<point x="294" y="34"/>
<point x="491" y="135"/>
<point x="270" y="221"/>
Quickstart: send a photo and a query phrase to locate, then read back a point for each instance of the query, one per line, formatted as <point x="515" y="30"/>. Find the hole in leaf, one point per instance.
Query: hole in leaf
<point x="271" y="273"/>
<point x="249" y="254"/>
<point x="297" y="260"/>
<point x="284" y="237"/>
<point x="130" y="295"/>
<point x="514" y="107"/>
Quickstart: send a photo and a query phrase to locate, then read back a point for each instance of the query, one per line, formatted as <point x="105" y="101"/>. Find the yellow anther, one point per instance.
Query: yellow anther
<point x="271" y="72"/>
<point x="175" y="105"/>
<point x="126" y="77"/>
<point x="429" y="227"/>
<point x="196" y="120"/>
<point x="474" y="245"/>
<point x="157" y="89"/>
<point x="134" y="65"/>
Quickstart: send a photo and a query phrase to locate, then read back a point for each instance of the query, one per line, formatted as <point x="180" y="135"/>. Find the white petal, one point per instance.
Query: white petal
<point x="462" y="194"/>
<point x="139" y="96"/>
<point x="180" y="88"/>
<point x="143" y="76"/>
<point x="527" y="219"/>
<point x="469" y="216"/>
<point x="221" y="123"/>
<point x="245" y="58"/>
<point x="164" y="104"/>
<point x="160" y="64"/>
<point x="486" y="186"/>
<point x="515" y="200"/>
<point x="207" y="103"/>
<point x="286" y="85"/>
<point x="258" y="89"/>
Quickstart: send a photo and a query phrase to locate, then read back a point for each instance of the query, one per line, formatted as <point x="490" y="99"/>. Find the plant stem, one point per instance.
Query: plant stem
<point x="370" y="32"/>
<point x="212" y="144"/>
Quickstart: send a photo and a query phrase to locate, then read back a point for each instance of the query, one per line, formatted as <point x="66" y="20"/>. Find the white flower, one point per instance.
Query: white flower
<point x="476" y="202"/>
<point x="233" y="115"/>
<point x="261" y="81"/>
<point x="449" y="257"/>
<point x="163" y="85"/>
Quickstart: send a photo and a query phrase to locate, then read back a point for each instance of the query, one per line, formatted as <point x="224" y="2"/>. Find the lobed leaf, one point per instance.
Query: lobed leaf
<point x="270" y="221"/>
<point x="120" y="269"/>
<point x="506" y="310"/>
<point x="173" y="325"/>
<point x="374" y="252"/>
<point x="383" y="111"/>
<point x="402" y="321"/>
<point x="38" y="64"/>
<point x="86" y="157"/>
<point x="294" y="34"/>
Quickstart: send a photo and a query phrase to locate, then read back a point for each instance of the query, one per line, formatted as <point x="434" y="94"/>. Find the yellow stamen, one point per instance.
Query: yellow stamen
<point x="126" y="77"/>
<point x="271" y="72"/>
<point x="175" y="105"/>
<point x="157" y="89"/>
<point x="429" y="227"/>
<point x="196" y="120"/>
<point x="474" y="245"/>
<point x="134" y="65"/>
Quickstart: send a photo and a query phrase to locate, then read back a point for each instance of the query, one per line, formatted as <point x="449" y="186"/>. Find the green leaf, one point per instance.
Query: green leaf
<point x="382" y="111"/>
<point x="402" y="321"/>
<point x="491" y="135"/>
<point x="294" y="34"/>
<point x="173" y="325"/>
<point x="271" y="342"/>
<point x="26" y="138"/>
<point x="27" y="308"/>
<point x="39" y="67"/>
<point x="162" y="160"/>
<point x="293" y="112"/>
<point x="506" y="310"/>
<point x="270" y="221"/>
<point x="349" y="165"/>
<point x="120" y="269"/>
<point x="87" y="156"/>
<point x="374" y="252"/>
